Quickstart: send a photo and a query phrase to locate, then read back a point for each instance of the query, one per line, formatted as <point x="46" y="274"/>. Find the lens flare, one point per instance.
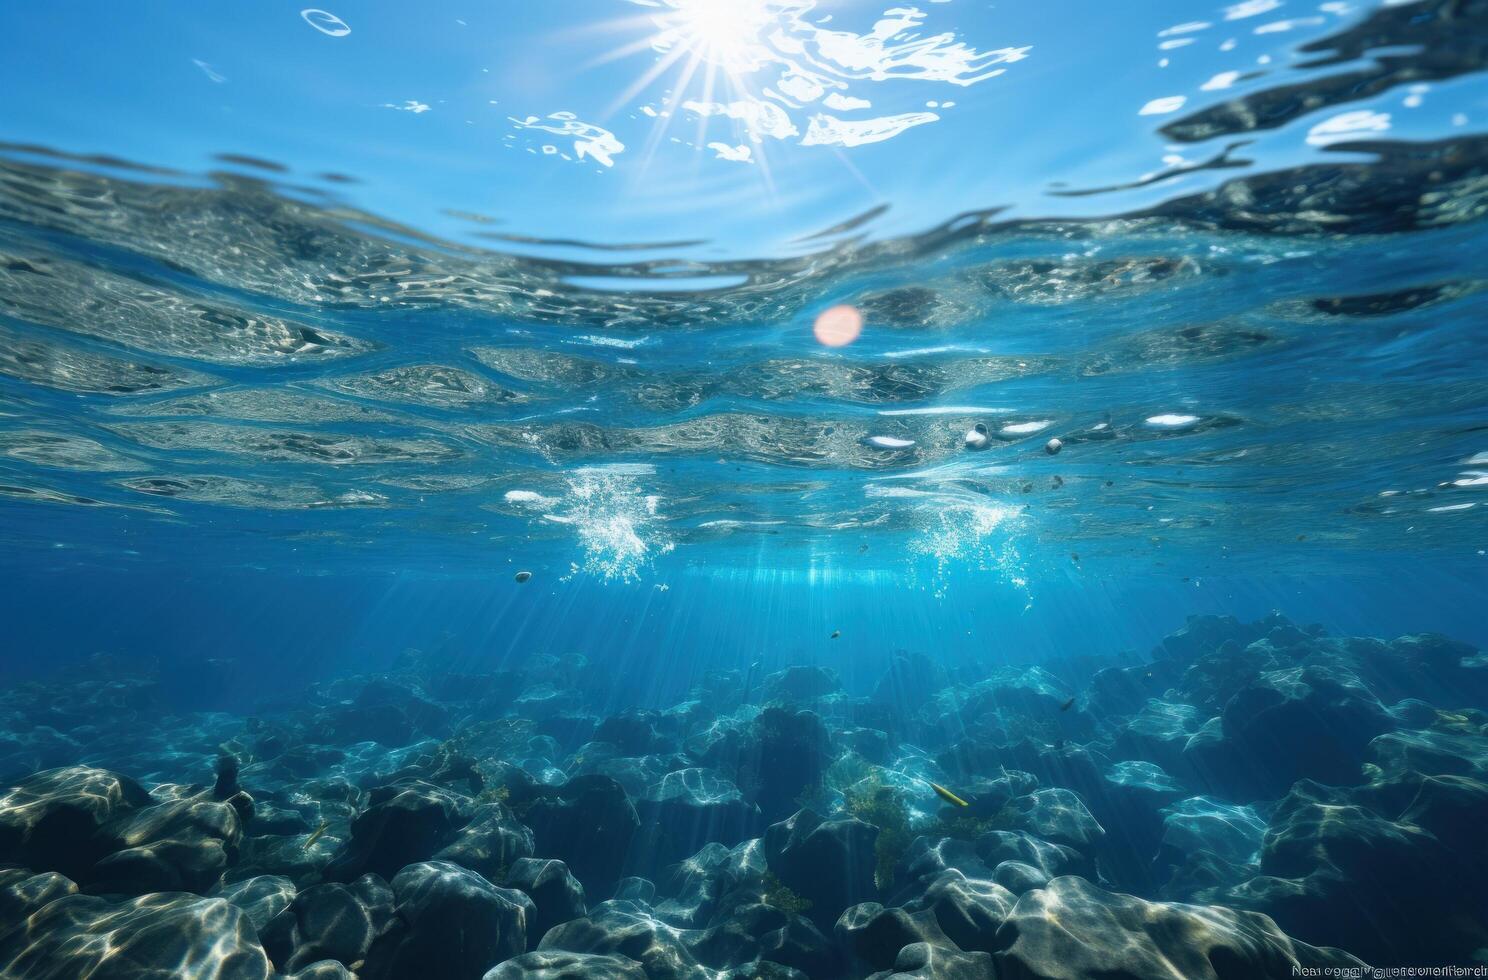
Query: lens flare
<point x="838" y="326"/>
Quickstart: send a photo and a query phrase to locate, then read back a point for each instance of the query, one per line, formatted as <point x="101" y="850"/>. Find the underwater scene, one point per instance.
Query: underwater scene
<point x="744" y="490"/>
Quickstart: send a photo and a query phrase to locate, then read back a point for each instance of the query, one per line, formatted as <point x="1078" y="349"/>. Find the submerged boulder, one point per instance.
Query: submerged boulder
<point x="556" y="894"/>
<point x="331" y="921"/>
<point x="1387" y="870"/>
<point x="626" y="930"/>
<point x="179" y="845"/>
<point x="968" y="911"/>
<point x="798" y="683"/>
<point x="1302" y="723"/>
<point x="261" y="898"/>
<point x="1073" y="930"/>
<point x="55" y="820"/>
<point x="688" y="809"/>
<point x="167" y="934"/>
<point x="927" y="961"/>
<point x="449" y="916"/>
<point x="827" y="862"/>
<point x="22" y="893"/>
<point x="873" y="935"/>
<point x="1059" y="816"/>
<point x="402" y="823"/>
<point x="587" y="823"/>
<point x="491" y="842"/>
<point x="558" y="964"/>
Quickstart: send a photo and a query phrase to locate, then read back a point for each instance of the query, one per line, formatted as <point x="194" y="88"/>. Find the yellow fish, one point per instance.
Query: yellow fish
<point x="948" y="796"/>
<point x="324" y="826"/>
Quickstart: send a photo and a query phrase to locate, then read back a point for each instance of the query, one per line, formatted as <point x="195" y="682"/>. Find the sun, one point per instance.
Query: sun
<point x="723" y="34"/>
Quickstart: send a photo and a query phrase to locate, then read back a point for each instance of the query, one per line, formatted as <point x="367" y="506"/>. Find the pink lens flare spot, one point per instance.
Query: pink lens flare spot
<point x="838" y="326"/>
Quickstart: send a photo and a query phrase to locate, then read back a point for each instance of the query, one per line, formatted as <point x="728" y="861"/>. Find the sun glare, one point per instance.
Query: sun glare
<point x="723" y="33"/>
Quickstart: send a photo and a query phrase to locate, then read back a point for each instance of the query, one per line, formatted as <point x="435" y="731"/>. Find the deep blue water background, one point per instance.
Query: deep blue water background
<point x="278" y="631"/>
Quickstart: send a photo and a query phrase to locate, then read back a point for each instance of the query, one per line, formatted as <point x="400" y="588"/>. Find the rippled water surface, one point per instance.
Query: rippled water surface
<point x="1266" y="360"/>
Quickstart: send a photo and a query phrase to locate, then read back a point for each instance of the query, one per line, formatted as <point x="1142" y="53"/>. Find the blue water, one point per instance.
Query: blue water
<point x="318" y="332"/>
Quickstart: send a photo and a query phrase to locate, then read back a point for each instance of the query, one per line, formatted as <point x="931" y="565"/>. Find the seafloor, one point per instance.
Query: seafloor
<point x="1252" y="800"/>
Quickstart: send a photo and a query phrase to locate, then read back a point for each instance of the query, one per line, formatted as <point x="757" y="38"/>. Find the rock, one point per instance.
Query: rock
<point x="829" y="863"/>
<point x="785" y="755"/>
<point x="322" y="970"/>
<point x="1073" y="930"/>
<point x="628" y="930"/>
<point x="1059" y="816"/>
<point x="587" y="824"/>
<point x="969" y="911"/>
<point x="554" y="964"/>
<point x="925" y="961"/>
<point x="54" y="820"/>
<point x="1205" y="634"/>
<point x="632" y="732"/>
<point x="1068" y="766"/>
<point x="633" y="889"/>
<point x="873" y="935"/>
<point x="690" y="808"/>
<point x="1013" y="699"/>
<point x="1053" y="860"/>
<point x="872" y="745"/>
<point x="178" y="845"/>
<point x="928" y="857"/>
<point x="801" y="684"/>
<point x="1017" y="877"/>
<point x="791" y="941"/>
<point x="386" y="724"/>
<point x="402" y="824"/>
<point x="1323" y="842"/>
<point x="491" y="842"/>
<point x="1305" y="722"/>
<point x="1157" y="734"/>
<point x="1435" y="753"/>
<point x="162" y="935"/>
<point x="22" y="893"/>
<point x="696" y="888"/>
<point x="451" y="916"/>
<point x="556" y="894"/>
<point x="261" y="898"/>
<point x="1116" y="692"/>
<point x="332" y="921"/>
<point x="1203" y="877"/>
<point x="1205" y="824"/>
<point x="1136" y="793"/>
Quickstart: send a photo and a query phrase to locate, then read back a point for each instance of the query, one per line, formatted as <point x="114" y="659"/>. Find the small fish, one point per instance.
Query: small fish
<point x="317" y="833"/>
<point x="1067" y="705"/>
<point x="836" y="633"/>
<point x="948" y="796"/>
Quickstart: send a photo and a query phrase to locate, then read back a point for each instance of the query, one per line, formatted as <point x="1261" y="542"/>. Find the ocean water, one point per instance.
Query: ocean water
<point x="744" y="489"/>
